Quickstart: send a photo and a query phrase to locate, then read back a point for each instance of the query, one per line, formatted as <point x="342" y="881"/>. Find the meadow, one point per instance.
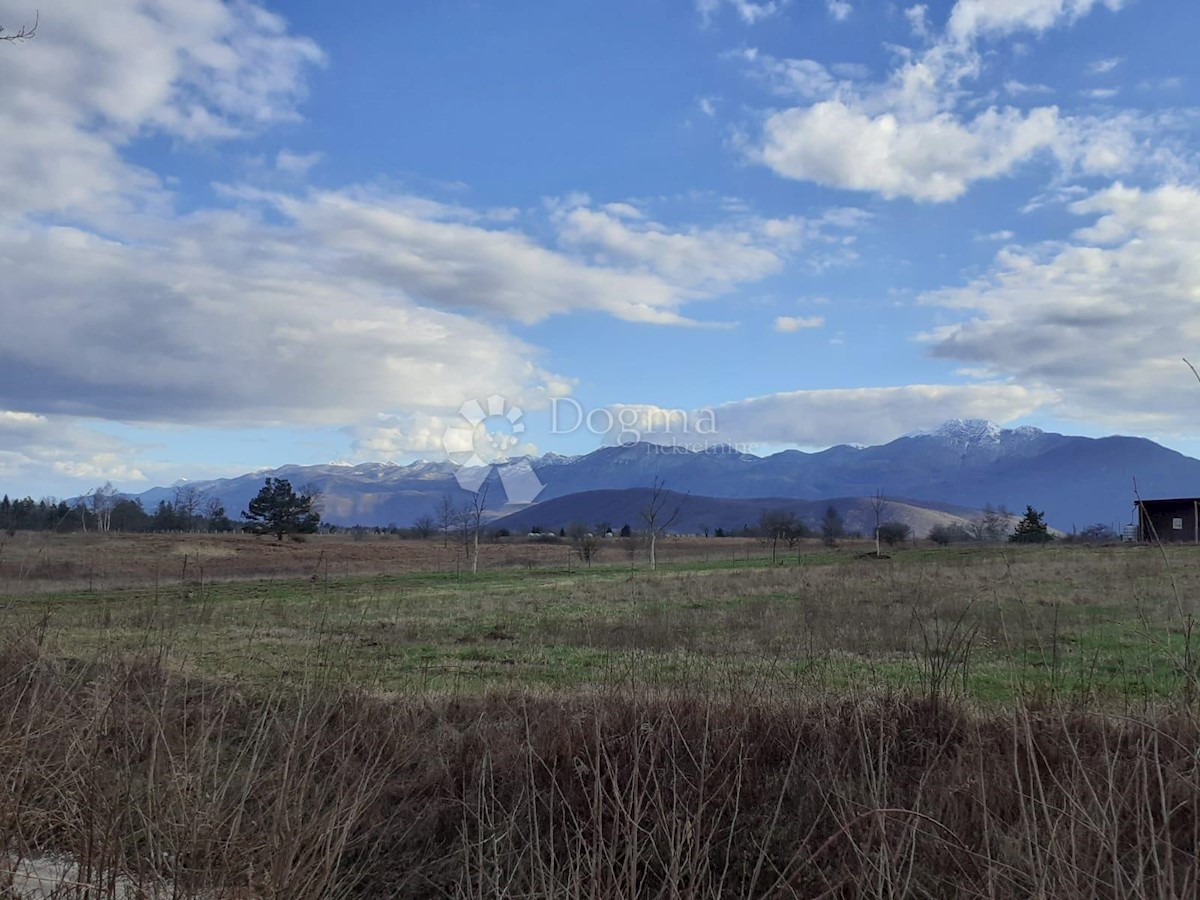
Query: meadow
<point x="230" y="716"/>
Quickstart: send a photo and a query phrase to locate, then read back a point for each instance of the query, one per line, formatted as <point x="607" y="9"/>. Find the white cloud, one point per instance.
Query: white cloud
<point x="1101" y="66"/>
<point x="1103" y="320"/>
<point x="224" y="319"/>
<point x="1172" y="83"/>
<point x="33" y="445"/>
<point x="973" y="19"/>
<point x="297" y="164"/>
<point x="839" y="9"/>
<point x="1018" y="88"/>
<point x="912" y="135"/>
<point x="798" y="323"/>
<point x="796" y="79"/>
<point x="819" y="418"/>
<point x="711" y="259"/>
<point x="708" y="106"/>
<point x="324" y="307"/>
<point x="392" y="437"/>
<point x="1003" y="236"/>
<point x="934" y="159"/>
<point x="91" y="83"/>
<point x="1101" y="93"/>
<point x="749" y="11"/>
<point x="918" y="19"/>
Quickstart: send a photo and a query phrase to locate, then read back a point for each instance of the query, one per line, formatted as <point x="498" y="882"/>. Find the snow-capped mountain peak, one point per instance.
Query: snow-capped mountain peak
<point x="968" y="433"/>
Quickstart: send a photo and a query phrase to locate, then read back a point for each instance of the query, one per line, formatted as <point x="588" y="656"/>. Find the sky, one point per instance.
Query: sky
<point x="238" y="235"/>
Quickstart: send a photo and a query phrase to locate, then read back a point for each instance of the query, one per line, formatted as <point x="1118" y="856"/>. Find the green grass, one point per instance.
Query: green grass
<point x="1099" y="624"/>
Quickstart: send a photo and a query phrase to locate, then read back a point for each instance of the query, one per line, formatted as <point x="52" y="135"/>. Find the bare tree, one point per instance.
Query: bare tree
<point x="878" y="506"/>
<point x="24" y="33"/>
<point x="214" y="512"/>
<point x="103" y="500"/>
<point x="583" y="542"/>
<point x="423" y="527"/>
<point x="775" y="525"/>
<point x="993" y="525"/>
<point x="658" y="515"/>
<point x="315" y="495"/>
<point x="474" y="518"/>
<point x="187" y="505"/>
<point x="446" y="516"/>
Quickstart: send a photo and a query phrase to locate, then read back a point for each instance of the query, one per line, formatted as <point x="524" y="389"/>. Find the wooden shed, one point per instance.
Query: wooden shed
<point x="1170" y="521"/>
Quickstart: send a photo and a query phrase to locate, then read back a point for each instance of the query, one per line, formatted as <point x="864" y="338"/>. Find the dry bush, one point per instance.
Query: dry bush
<point x="188" y="788"/>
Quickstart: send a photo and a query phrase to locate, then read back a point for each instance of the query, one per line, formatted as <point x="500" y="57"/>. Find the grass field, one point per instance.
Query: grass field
<point x="228" y="716"/>
<point x="990" y="623"/>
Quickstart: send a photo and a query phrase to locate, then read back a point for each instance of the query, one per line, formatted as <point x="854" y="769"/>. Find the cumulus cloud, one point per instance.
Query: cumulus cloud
<point x="32" y="445"/>
<point x="972" y="19"/>
<point x="390" y="437"/>
<point x="90" y="84"/>
<point x="915" y="134"/>
<point x="226" y="319"/>
<point x="819" y="418"/>
<point x="1102" y="319"/>
<point x="315" y="307"/>
<point x="933" y="159"/>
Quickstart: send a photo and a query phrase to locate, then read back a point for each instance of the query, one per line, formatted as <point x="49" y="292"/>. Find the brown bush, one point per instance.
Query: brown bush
<point x="191" y="788"/>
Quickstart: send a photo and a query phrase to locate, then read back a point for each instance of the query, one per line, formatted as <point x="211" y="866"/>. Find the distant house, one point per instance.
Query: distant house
<point x="1170" y="521"/>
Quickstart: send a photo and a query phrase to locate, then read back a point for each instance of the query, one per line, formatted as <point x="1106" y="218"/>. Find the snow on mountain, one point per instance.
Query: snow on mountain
<point x="964" y="462"/>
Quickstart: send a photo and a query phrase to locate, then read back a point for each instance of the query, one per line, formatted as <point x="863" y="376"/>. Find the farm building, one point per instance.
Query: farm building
<point x="1174" y="521"/>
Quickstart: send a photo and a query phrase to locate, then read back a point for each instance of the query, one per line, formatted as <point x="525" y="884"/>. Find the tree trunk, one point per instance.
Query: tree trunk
<point x="475" y="555"/>
<point x="653" y="560"/>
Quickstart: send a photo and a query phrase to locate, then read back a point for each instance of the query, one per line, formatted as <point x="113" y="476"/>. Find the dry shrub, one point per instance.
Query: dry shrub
<point x="189" y="788"/>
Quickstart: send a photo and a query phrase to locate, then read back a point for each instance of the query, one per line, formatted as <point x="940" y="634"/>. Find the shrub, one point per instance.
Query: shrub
<point x="948" y="534"/>
<point x="893" y="533"/>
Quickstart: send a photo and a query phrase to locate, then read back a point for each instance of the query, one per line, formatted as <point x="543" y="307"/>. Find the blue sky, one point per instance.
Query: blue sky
<point x="242" y="235"/>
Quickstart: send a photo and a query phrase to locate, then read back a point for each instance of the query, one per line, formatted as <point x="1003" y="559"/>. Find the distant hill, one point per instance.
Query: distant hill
<point x="964" y="464"/>
<point x="698" y="515"/>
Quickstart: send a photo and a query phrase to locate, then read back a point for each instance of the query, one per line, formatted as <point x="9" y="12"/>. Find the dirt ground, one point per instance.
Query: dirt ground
<point x="46" y="561"/>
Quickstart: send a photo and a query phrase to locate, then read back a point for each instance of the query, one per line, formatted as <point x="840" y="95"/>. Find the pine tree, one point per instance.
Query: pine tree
<point x="1032" y="528"/>
<point x="279" y="510"/>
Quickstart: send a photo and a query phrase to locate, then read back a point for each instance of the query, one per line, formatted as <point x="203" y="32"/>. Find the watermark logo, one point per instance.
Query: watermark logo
<point x="491" y="429"/>
<point x="662" y="430"/>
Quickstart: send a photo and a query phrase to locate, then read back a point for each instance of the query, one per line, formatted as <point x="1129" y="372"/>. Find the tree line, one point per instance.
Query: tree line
<point x="278" y="509"/>
<point x="103" y="510"/>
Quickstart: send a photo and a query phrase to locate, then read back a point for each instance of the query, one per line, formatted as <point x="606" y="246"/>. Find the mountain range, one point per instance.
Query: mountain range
<point x="959" y="466"/>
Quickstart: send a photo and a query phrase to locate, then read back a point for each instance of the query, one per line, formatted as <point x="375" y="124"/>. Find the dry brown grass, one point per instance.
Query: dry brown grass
<point x="58" y="562"/>
<point x="189" y="788"/>
<point x="821" y="730"/>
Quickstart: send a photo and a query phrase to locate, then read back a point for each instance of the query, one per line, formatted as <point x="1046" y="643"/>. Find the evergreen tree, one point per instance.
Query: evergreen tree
<point x="279" y="510"/>
<point x="1032" y="528"/>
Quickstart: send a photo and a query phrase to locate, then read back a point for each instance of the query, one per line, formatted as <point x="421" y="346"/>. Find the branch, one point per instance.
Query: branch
<point x="1193" y="368"/>
<point x="24" y="34"/>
